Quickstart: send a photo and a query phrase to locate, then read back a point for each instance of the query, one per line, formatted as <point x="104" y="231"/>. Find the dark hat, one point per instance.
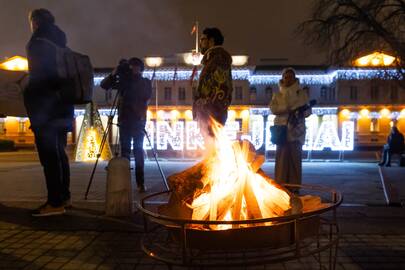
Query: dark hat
<point x="135" y="61"/>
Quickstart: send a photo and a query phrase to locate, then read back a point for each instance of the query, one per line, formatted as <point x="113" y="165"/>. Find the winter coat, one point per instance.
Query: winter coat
<point x="396" y="142"/>
<point x="134" y="97"/>
<point x="41" y="97"/>
<point x="214" y="92"/>
<point x="283" y="105"/>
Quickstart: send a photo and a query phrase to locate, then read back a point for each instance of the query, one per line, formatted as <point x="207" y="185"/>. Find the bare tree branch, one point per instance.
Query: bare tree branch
<point x="347" y="28"/>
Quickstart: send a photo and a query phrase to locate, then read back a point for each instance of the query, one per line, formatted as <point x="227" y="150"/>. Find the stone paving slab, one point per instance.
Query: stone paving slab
<point x="393" y="179"/>
<point x="359" y="182"/>
<point x="372" y="238"/>
<point x="27" y="249"/>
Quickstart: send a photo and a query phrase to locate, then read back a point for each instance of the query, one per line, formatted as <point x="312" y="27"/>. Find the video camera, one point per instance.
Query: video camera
<point x="124" y="70"/>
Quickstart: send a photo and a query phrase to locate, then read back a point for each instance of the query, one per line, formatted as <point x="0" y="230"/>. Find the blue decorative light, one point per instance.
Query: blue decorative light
<point x="324" y="110"/>
<point x="361" y="74"/>
<point x="266" y="79"/>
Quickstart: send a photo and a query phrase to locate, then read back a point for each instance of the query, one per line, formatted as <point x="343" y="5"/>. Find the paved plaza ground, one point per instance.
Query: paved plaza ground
<point x="373" y="233"/>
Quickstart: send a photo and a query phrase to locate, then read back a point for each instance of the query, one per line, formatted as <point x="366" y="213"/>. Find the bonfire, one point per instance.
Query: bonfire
<point x="229" y="184"/>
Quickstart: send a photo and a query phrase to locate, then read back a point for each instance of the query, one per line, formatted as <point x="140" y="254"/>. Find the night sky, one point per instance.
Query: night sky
<point x="109" y="30"/>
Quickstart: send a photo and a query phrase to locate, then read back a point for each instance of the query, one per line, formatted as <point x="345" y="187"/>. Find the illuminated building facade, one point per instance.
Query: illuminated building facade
<point x="356" y="107"/>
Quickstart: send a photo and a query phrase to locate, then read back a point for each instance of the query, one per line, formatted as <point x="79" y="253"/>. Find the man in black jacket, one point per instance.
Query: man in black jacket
<point x="51" y="118"/>
<point x="134" y="95"/>
<point x="395" y="145"/>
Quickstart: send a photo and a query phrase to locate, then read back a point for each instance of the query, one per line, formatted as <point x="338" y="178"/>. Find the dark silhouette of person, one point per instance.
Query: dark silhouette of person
<point x="395" y="145"/>
<point x="134" y="95"/>
<point x="51" y="117"/>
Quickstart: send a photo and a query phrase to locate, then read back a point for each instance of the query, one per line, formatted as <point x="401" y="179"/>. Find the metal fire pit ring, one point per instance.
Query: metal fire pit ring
<point x="173" y="241"/>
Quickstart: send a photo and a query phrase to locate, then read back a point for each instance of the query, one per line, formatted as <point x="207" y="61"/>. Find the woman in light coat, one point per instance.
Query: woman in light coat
<point x="290" y="108"/>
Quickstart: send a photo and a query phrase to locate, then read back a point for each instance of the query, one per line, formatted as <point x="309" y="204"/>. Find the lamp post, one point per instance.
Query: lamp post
<point x="154" y="62"/>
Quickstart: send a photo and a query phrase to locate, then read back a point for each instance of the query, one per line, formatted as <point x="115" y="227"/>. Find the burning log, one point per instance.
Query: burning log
<point x="229" y="185"/>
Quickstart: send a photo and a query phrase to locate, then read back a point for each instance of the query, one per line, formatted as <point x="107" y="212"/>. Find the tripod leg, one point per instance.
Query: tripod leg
<point x="157" y="162"/>
<point x="98" y="157"/>
<point x="107" y="131"/>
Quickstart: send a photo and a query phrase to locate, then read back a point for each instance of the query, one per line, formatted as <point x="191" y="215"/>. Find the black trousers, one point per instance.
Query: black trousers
<point x="134" y="132"/>
<point x="387" y="154"/>
<point x="51" y="143"/>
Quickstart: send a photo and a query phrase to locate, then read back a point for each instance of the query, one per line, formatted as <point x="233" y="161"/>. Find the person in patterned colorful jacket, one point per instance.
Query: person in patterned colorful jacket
<point x="214" y="92"/>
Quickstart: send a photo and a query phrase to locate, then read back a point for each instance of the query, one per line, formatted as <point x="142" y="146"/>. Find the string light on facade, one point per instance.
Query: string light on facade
<point x="256" y="127"/>
<point x="345" y="113"/>
<point x="327" y="136"/>
<point x="231" y="130"/>
<point x="364" y="113"/>
<point x="194" y="139"/>
<point x="245" y="114"/>
<point x="174" y="115"/>
<point x="266" y="79"/>
<point x="189" y="114"/>
<point x="347" y="143"/>
<point x="149" y="115"/>
<point x="385" y="113"/>
<point x="150" y="130"/>
<point x="172" y="135"/>
<point x="231" y="114"/>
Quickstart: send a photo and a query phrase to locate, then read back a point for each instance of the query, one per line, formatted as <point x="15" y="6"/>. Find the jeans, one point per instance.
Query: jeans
<point x="51" y="143"/>
<point x="134" y="131"/>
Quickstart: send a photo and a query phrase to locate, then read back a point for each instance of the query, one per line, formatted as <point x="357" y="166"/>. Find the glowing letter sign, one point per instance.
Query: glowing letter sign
<point x="180" y="135"/>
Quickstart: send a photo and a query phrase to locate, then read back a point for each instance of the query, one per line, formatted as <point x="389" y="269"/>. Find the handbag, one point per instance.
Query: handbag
<point x="278" y="134"/>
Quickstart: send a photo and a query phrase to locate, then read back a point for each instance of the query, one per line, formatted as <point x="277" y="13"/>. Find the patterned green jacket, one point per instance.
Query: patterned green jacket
<point x="214" y="92"/>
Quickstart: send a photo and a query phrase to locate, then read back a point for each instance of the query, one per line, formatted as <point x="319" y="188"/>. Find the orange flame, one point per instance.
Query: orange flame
<point x="233" y="187"/>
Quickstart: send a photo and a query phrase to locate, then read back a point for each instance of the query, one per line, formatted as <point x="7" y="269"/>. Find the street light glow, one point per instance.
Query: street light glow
<point x="15" y="63"/>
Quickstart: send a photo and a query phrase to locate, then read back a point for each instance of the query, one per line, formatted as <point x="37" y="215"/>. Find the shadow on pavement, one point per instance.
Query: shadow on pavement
<point x="78" y="219"/>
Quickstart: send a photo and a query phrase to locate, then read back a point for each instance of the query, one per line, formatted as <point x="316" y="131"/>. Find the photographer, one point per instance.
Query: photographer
<point x="134" y="94"/>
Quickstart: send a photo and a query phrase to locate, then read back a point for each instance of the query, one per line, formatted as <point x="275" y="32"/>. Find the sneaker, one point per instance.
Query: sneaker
<point x="48" y="210"/>
<point x="381" y="164"/>
<point x="141" y="188"/>
<point x="67" y="204"/>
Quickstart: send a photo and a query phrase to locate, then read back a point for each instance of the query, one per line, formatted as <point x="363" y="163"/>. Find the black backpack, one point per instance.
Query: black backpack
<point x="76" y="74"/>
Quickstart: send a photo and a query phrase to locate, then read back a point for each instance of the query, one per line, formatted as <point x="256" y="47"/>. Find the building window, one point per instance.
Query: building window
<point x="269" y="92"/>
<point x="332" y="93"/>
<point x="2" y="126"/>
<point x="306" y="90"/>
<point x="22" y="128"/>
<point x="108" y="96"/>
<point x="374" y="125"/>
<point x="238" y="93"/>
<point x="252" y="93"/>
<point x="353" y="93"/>
<point x="168" y="93"/>
<point x="394" y="93"/>
<point x="182" y="93"/>
<point x="323" y="92"/>
<point x="374" y="91"/>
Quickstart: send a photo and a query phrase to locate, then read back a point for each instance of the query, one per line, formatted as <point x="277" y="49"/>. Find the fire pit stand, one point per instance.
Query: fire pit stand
<point x="182" y="242"/>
